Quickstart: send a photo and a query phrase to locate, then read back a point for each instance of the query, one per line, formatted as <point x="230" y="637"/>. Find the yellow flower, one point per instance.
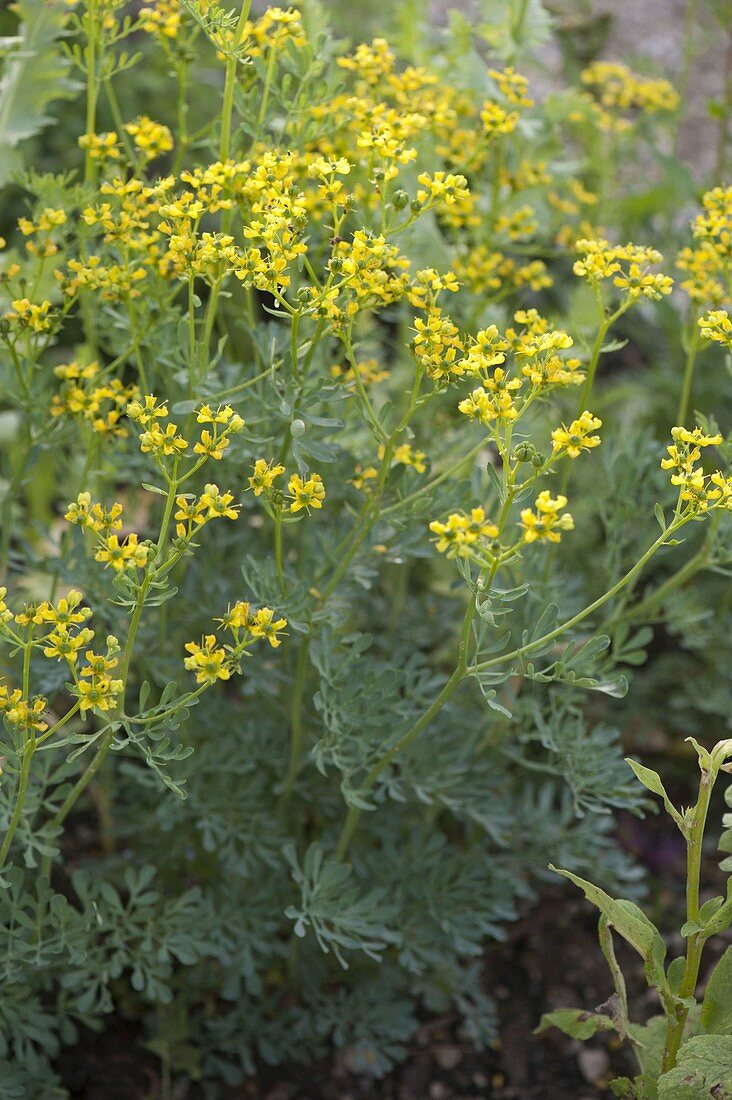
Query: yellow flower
<point x="264" y="625"/>
<point x="99" y="693"/>
<point x="407" y="456"/>
<point x="213" y="446"/>
<point x="224" y="414"/>
<point x="219" y="505"/>
<point x="166" y="442"/>
<point x="79" y="509"/>
<point x="65" y="646"/>
<point x="717" y="326"/>
<point x="362" y="476"/>
<point x="207" y="661"/>
<point x="25" y="715"/>
<point x="127" y="555"/>
<point x="264" y="476"/>
<point x="151" y="138"/>
<point x="26" y="315"/>
<point x="191" y="514"/>
<point x="148" y="411"/>
<point x="487" y="407"/>
<point x="308" y="493"/>
<point x="546" y="524"/>
<point x="576" y="438"/>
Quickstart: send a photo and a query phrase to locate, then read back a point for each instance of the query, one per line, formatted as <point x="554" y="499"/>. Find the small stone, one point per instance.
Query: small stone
<point x="593" y="1064"/>
<point x="480" y="1080"/>
<point x="447" y="1057"/>
<point x="438" y="1091"/>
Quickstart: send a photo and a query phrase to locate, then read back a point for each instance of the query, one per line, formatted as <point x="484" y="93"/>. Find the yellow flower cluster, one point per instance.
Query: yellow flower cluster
<point x="24" y="715"/>
<point x="303" y="492"/>
<point x="211" y="661"/>
<point x="717" y="327"/>
<point x="99" y="402"/>
<point x="41" y="230"/>
<point x="56" y="629"/>
<point x="708" y="264"/>
<point x="698" y="491"/>
<point x="462" y="534"/>
<point x="151" y="138"/>
<point x="629" y="264"/>
<point x="193" y="512"/>
<point x="101" y="147"/>
<point x="119" y="556"/>
<point x="484" y="269"/>
<point x="27" y="317"/>
<point x="96" y="690"/>
<point x="537" y="351"/>
<point x="308" y="492"/>
<point x="620" y="92"/>
<point x="164" y="442"/>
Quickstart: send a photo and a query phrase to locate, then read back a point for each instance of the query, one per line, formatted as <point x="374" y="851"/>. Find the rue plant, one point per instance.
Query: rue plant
<point x="356" y="458"/>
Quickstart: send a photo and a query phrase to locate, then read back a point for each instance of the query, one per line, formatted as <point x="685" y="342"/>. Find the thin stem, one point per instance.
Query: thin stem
<point x="91" y="90"/>
<point x="720" y="166"/>
<point x="28" y="751"/>
<point x="117" y="118"/>
<point x="538" y="643"/>
<point x="648" y="605"/>
<point x="296" y="728"/>
<point x="691" y="354"/>
<point x="278" y="549"/>
<point x="458" y="675"/>
<point x="267" y="85"/>
<point x="452" y="469"/>
<point x="605" y="326"/>
<point x="696" y="941"/>
<point x="383" y="762"/>
<point x="229" y="82"/>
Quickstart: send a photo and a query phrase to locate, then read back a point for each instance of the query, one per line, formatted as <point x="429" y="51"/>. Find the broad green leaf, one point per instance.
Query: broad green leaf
<point x="630" y="922"/>
<point x="717" y="1005"/>
<point x="703" y="1071"/>
<point x="649" y="1040"/>
<point x="652" y="781"/>
<point x="35" y="73"/>
<point x="575" y="1022"/>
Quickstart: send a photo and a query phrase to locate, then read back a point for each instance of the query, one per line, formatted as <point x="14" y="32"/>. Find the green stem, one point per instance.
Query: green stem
<point x="269" y="73"/>
<point x="538" y="643"/>
<point x="278" y="549"/>
<point x="605" y="326"/>
<point x="79" y="787"/>
<point x="383" y="762"/>
<point x="181" y="73"/>
<point x="648" y="605"/>
<point x="117" y="118"/>
<point x="452" y="469"/>
<point x="691" y="353"/>
<point x="296" y="705"/>
<point x="28" y="751"/>
<point x="192" y="348"/>
<point x="451" y="686"/>
<point x="720" y="167"/>
<point x="229" y="82"/>
<point x="91" y="90"/>
<point x="695" y="945"/>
